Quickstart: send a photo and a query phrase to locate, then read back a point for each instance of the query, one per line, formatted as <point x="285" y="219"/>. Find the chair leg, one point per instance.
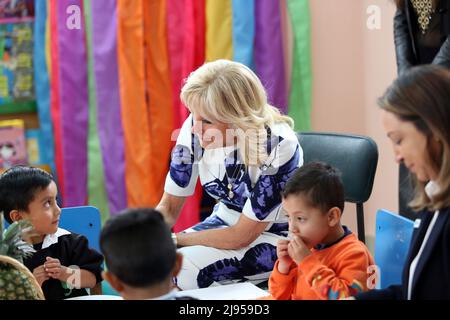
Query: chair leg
<point x="360" y="222"/>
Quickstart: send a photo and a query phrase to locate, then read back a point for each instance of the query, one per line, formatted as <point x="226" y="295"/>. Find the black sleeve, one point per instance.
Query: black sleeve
<point x="86" y="258"/>
<point x="443" y="56"/>
<point x="390" y="293"/>
<point x="403" y="46"/>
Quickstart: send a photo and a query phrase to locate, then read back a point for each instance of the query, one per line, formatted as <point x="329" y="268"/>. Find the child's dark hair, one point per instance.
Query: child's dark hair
<point x="18" y="187"/>
<point x="320" y="183"/>
<point x="138" y="247"/>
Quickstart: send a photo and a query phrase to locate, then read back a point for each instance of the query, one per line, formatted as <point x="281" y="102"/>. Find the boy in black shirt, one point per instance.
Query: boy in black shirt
<point x="63" y="263"/>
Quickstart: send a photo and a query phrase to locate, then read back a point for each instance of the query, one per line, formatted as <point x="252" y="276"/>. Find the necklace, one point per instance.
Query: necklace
<point x="229" y="185"/>
<point x="424" y="9"/>
<point x="237" y="169"/>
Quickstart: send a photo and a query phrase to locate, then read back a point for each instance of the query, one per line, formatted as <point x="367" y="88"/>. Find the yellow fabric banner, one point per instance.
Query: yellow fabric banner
<point x="219" y="21"/>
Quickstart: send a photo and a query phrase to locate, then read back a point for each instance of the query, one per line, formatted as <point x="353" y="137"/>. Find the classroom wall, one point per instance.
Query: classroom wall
<point x="353" y="65"/>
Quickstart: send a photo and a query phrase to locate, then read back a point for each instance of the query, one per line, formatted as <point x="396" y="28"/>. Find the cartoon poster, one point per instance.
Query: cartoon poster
<point x="16" y="10"/>
<point x="13" y="148"/>
<point x="16" y="53"/>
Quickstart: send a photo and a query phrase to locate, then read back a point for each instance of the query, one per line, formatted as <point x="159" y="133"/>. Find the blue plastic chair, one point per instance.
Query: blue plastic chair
<point x="392" y="240"/>
<point x="83" y="220"/>
<point x="86" y="221"/>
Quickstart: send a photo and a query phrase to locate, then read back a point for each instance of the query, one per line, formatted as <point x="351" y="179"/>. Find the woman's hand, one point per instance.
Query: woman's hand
<point x="297" y="249"/>
<point x="237" y="236"/>
<point x="284" y="260"/>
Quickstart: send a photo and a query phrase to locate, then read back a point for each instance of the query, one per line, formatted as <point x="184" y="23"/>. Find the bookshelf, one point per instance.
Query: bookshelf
<point x="30" y="118"/>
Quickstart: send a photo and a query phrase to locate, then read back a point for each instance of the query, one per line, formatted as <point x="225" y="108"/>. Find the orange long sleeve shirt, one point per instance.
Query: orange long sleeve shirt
<point x="338" y="271"/>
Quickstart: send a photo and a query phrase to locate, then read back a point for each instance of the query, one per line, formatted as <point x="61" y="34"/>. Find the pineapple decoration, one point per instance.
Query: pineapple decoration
<point x="16" y="281"/>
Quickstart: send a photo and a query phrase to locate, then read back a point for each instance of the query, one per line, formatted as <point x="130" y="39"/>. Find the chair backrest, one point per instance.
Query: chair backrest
<point x="392" y="240"/>
<point x="355" y="156"/>
<point x="83" y="220"/>
<point x="86" y="221"/>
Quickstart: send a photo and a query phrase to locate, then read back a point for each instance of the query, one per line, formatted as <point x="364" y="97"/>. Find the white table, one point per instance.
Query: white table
<point x="237" y="291"/>
<point x="97" y="297"/>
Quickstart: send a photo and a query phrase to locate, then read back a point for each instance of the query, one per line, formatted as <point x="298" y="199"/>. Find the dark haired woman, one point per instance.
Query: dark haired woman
<point x="422" y="36"/>
<point x="416" y="117"/>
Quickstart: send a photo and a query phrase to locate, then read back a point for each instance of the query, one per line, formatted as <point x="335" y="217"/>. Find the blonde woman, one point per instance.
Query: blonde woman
<point x="244" y="151"/>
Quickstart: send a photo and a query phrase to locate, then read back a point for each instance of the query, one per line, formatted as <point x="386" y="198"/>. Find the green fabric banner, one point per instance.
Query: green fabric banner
<point x="96" y="180"/>
<point x="301" y="81"/>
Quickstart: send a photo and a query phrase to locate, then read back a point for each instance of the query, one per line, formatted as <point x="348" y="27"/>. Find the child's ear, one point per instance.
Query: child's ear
<point x="178" y="263"/>
<point x="15" y="215"/>
<point x="115" y="283"/>
<point x="334" y="216"/>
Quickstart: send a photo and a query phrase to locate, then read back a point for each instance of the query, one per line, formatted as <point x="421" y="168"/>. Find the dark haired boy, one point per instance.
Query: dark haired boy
<point x="140" y="255"/>
<point x="322" y="259"/>
<point x="63" y="263"/>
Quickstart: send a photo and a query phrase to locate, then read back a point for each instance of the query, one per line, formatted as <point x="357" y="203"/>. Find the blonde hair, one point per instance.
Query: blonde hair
<point x="422" y="96"/>
<point x="229" y="92"/>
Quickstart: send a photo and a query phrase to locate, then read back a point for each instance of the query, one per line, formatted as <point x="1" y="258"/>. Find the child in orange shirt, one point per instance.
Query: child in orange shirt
<point x="323" y="259"/>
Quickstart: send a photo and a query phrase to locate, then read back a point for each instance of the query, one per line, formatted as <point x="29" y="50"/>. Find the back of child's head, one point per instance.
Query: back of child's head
<point x="319" y="183"/>
<point x="138" y="247"/>
<point x="18" y="187"/>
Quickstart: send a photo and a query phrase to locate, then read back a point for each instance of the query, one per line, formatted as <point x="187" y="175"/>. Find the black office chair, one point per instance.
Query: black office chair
<point x="354" y="156"/>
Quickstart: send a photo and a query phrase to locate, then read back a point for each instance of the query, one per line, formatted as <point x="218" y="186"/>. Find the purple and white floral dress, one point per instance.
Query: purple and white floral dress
<point x="255" y="194"/>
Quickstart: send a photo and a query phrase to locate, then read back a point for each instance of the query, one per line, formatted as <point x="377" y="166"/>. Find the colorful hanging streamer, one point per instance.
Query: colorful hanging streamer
<point x="219" y="40"/>
<point x="244" y="32"/>
<point x="160" y="92"/>
<point x="114" y="85"/>
<point x="55" y="94"/>
<point x="96" y="181"/>
<point x="269" y="57"/>
<point x="42" y="80"/>
<point x="301" y="83"/>
<point x="135" y="119"/>
<point x="109" y="113"/>
<point x="73" y="100"/>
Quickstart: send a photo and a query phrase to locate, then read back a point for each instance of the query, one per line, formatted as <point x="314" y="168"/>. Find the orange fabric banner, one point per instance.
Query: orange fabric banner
<point x="160" y="92"/>
<point x="135" y="118"/>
